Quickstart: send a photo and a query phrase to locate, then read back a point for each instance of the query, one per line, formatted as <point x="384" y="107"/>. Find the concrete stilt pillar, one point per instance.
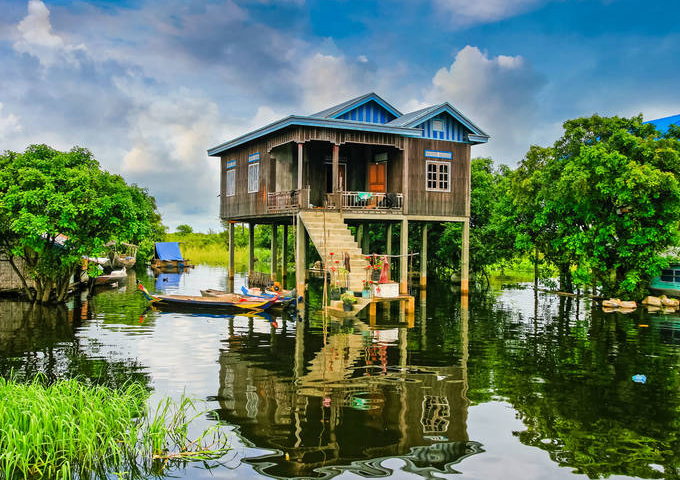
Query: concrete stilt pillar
<point x="300" y="260"/>
<point x="231" y="257"/>
<point x="423" y="259"/>
<point x="274" y="250"/>
<point x="284" y="254"/>
<point x="403" y="259"/>
<point x="360" y="234"/>
<point x="465" y="258"/>
<point x="365" y="246"/>
<point x="251" y="248"/>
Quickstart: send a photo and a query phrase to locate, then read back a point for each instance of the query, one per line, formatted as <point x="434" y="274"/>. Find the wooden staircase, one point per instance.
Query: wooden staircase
<point x="330" y="234"/>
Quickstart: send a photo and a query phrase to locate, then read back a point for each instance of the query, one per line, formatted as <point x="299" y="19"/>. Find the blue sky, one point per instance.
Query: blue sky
<point x="150" y="86"/>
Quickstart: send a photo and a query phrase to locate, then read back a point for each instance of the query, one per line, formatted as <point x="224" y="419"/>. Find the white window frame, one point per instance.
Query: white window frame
<point x="231" y="175"/>
<point x="440" y="176"/>
<point x="253" y="166"/>
<point x="436" y="123"/>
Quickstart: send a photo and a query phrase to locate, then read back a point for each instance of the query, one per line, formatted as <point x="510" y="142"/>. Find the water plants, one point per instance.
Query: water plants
<point x="73" y="429"/>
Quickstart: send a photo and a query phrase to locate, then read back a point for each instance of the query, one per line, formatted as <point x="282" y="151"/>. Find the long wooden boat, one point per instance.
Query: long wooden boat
<point x="225" y="302"/>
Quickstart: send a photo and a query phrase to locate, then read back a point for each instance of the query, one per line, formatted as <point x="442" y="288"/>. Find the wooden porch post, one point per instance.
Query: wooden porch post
<point x="300" y="261"/>
<point x="251" y="248"/>
<point x="336" y="168"/>
<point x="423" y="258"/>
<point x="465" y="258"/>
<point x="231" y="257"/>
<point x="299" y="166"/>
<point x="403" y="259"/>
<point x="274" y="250"/>
<point x="284" y="254"/>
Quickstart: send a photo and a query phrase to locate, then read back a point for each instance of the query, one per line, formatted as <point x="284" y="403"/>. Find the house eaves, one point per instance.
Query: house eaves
<point x="296" y="120"/>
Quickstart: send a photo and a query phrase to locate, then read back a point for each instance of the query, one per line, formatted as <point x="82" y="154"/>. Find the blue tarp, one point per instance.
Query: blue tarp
<point x="662" y="124"/>
<point x="168" y="251"/>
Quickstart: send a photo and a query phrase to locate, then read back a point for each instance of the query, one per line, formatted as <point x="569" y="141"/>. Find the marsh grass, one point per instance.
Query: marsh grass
<point x="218" y="255"/>
<point x="71" y="429"/>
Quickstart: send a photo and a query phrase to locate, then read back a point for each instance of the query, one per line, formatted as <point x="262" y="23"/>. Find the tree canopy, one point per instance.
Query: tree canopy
<point x="56" y="207"/>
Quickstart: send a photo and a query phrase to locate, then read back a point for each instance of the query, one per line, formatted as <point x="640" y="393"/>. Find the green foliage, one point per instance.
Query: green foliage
<point x="602" y="203"/>
<point x="56" y="207"/>
<point x="184" y="229"/>
<point x="491" y="223"/>
<point x="74" y="430"/>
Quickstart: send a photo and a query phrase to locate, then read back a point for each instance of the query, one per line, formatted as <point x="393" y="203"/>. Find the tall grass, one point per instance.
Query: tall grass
<point x="72" y="429"/>
<point x="218" y="254"/>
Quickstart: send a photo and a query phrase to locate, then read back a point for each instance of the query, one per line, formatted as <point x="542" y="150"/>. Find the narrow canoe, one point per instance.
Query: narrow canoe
<point x="223" y="302"/>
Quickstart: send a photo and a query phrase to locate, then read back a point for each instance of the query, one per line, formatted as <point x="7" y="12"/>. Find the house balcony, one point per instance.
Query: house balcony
<point x="287" y="201"/>
<point x="291" y="201"/>
<point x="367" y="202"/>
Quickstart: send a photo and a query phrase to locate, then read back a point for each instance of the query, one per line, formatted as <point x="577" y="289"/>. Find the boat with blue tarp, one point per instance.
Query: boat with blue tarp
<point x="168" y="258"/>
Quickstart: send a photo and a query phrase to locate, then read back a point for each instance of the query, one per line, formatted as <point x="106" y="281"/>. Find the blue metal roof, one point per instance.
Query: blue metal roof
<point x="662" y="124"/>
<point x="403" y="125"/>
<point x="344" y="107"/>
<point x="414" y="119"/>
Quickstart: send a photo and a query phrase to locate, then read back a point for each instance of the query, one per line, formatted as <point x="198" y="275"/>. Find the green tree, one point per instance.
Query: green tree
<point x="56" y="207"/>
<point x="184" y="229"/>
<point x="491" y="223"/>
<point x="604" y="200"/>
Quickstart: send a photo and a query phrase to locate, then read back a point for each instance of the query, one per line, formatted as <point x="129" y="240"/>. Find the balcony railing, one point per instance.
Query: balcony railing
<point x="366" y="201"/>
<point x="287" y="201"/>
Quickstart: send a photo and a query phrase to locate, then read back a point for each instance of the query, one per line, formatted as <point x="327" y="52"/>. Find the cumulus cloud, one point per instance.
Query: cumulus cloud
<point x="9" y="124"/>
<point x="36" y="38"/>
<point x="330" y="79"/>
<point x="464" y="13"/>
<point x="499" y="94"/>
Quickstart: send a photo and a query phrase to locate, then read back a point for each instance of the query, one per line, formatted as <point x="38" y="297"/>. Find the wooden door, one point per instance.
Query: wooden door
<point x="377" y="177"/>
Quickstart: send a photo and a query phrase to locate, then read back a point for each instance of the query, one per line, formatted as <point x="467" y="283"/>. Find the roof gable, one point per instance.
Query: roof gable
<point x="358" y="107"/>
<point x="422" y="118"/>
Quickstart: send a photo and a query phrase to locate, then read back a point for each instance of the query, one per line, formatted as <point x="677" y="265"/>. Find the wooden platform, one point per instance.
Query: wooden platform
<point x="336" y="310"/>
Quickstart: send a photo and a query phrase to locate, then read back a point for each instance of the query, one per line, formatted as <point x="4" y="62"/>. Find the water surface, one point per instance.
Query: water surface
<point x="517" y="385"/>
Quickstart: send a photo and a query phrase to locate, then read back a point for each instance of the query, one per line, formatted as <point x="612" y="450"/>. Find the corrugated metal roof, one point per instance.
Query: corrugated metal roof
<point x="402" y="125"/>
<point x="349" y="104"/>
<point x="414" y="119"/>
<point x="662" y="124"/>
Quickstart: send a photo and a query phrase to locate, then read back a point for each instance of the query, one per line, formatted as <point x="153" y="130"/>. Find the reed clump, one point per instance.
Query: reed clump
<point x="73" y="429"/>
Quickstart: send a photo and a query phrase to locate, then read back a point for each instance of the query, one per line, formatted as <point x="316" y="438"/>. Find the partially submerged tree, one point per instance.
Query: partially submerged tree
<point x="604" y="199"/>
<point x="56" y="207"/>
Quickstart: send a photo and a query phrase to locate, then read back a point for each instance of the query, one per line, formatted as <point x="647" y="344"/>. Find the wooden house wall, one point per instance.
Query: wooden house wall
<point x="422" y="202"/>
<point x="245" y="204"/>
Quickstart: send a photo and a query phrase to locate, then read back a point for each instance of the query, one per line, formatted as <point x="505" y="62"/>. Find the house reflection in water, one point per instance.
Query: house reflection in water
<point x="345" y="405"/>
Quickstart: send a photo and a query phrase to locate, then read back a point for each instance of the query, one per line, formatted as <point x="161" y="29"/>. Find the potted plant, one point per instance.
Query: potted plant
<point x="348" y="301"/>
<point x="366" y="291"/>
<point x="343" y="275"/>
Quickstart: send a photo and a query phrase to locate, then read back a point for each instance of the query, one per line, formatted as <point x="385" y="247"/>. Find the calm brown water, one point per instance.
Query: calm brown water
<point x="514" y="387"/>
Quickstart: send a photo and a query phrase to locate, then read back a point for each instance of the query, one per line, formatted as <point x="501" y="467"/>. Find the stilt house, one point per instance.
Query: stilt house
<point x="362" y="161"/>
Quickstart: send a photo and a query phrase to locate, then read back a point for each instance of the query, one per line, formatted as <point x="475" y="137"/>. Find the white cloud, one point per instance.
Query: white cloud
<point x="9" y="124"/>
<point x="330" y="79"/>
<point x="499" y="94"/>
<point x="464" y="13"/>
<point x="37" y="39"/>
